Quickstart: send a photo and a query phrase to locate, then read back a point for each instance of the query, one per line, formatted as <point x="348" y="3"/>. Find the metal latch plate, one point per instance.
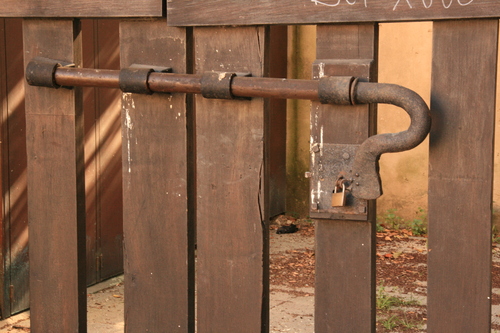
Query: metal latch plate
<point x="327" y="162"/>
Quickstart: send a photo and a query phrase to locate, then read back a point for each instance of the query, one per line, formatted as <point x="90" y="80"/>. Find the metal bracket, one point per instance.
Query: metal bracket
<point x="218" y="84"/>
<point x="329" y="161"/>
<point x="134" y="79"/>
<point x="41" y="71"/>
<point x="345" y="90"/>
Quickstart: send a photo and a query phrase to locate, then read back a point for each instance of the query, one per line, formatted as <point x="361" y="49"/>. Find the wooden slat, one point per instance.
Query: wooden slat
<point x="159" y="272"/>
<point x="108" y="155"/>
<point x="103" y="174"/>
<point x="79" y="8"/>
<point x="460" y="175"/>
<point x="5" y="222"/>
<point x="345" y="250"/>
<point x="17" y="192"/>
<point x="232" y="284"/>
<point x="276" y="123"/>
<point x="232" y="12"/>
<point x="90" y="116"/>
<point x="56" y="202"/>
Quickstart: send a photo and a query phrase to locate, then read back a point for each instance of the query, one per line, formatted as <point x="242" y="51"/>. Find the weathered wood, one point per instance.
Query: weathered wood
<point x="91" y="176"/>
<point x="232" y="12"/>
<point x="159" y="256"/>
<point x="102" y="109"/>
<point x="5" y="223"/>
<point x="232" y="270"/>
<point x="108" y="155"/>
<point x="79" y="8"/>
<point x="345" y="250"/>
<point x="56" y="202"/>
<point x="461" y="175"/>
<point x="16" y="206"/>
<point x="276" y="123"/>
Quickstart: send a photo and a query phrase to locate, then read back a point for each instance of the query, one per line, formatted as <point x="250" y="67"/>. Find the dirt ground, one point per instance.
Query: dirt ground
<point x="401" y="285"/>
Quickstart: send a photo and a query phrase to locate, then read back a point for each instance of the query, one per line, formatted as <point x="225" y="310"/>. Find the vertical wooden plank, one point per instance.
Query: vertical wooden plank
<point x="158" y="263"/>
<point x="103" y="174"/>
<point x="345" y="250"/>
<point x="16" y="195"/>
<point x="276" y="123"/>
<point x="232" y="284"/>
<point x="108" y="155"/>
<point x="56" y="202"/>
<point x="90" y="118"/>
<point x="460" y="175"/>
<point x="4" y="223"/>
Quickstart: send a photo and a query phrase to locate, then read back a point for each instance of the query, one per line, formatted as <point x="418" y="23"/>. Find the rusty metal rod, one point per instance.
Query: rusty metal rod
<point x="191" y="83"/>
<point x="87" y="77"/>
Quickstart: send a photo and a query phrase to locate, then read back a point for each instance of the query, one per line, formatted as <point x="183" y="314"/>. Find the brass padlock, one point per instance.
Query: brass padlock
<point x="338" y="198"/>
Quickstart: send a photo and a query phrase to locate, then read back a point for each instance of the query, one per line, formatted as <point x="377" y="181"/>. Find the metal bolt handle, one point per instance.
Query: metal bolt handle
<point x="333" y="90"/>
<point x="365" y="170"/>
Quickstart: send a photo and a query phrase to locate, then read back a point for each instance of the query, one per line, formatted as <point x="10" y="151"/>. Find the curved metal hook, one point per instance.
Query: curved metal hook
<point x="365" y="171"/>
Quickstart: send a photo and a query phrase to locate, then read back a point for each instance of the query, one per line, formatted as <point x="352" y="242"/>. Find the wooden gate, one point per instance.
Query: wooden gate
<point x="102" y="154"/>
<point x="198" y="171"/>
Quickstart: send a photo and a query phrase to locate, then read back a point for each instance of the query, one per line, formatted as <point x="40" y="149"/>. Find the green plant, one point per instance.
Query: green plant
<point x="392" y="220"/>
<point x="391" y="322"/>
<point x="495" y="234"/>
<point x="418" y="225"/>
<point x="407" y="323"/>
<point x="384" y="300"/>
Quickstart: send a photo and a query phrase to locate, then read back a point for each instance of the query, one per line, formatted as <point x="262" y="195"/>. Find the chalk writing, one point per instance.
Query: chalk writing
<point x="406" y="3"/>
<point x="428" y="3"/>
<point x="332" y="4"/>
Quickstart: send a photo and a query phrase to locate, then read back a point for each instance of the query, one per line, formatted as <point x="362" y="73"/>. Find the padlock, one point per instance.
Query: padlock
<point x="338" y="198"/>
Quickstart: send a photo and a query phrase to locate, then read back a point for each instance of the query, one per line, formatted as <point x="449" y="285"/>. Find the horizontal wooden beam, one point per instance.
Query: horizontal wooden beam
<point x="81" y="8"/>
<point x="235" y="12"/>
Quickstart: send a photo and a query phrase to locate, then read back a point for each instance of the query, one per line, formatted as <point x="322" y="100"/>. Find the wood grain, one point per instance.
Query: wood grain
<point x="103" y="174"/>
<point x="276" y="123"/>
<point x="461" y="175"/>
<point x="232" y="270"/>
<point x="208" y="12"/>
<point x="345" y="250"/>
<point x="159" y="255"/>
<point x="79" y="8"/>
<point x="56" y="185"/>
<point x="91" y="176"/>
<point x="5" y="222"/>
<point x="109" y="194"/>
<point x="16" y="182"/>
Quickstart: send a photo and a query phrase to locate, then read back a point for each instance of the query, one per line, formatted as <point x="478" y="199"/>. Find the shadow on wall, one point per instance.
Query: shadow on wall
<point x="102" y="162"/>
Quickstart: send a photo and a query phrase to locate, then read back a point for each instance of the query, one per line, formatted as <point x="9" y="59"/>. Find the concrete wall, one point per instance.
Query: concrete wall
<point x="301" y="54"/>
<point x="405" y="58"/>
